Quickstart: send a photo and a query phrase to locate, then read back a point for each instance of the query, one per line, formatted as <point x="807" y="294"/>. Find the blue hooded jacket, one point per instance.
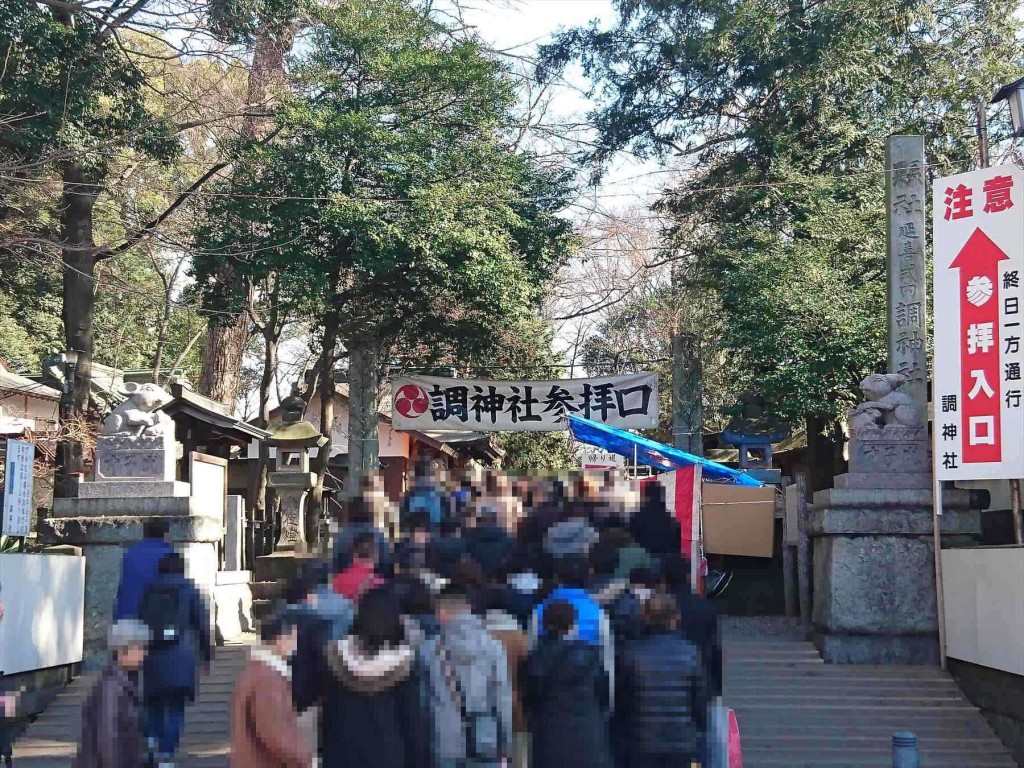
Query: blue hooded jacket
<point x="138" y="570"/>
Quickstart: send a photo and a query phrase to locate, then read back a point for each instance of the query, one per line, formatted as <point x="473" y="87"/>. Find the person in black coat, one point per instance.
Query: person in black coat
<point x="565" y="695"/>
<point x="661" y="693"/>
<point x="374" y="713"/>
<point x="651" y="526"/>
<point x="309" y="662"/>
<point x="541" y="515"/>
<point x="413" y="553"/>
<point x="416" y="603"/>
<point x="698" y="618"/>
<point x="488" y="543"/>
<point x="179" y="621"/>
<point x="446" y="549"/>
<point x="626" y="611"/>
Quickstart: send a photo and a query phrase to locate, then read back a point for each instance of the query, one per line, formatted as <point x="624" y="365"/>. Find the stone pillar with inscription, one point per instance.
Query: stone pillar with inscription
<point x="907" y="289"/>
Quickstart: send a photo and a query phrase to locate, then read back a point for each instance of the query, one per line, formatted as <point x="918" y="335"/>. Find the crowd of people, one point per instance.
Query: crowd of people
<point x="543" y="623"/>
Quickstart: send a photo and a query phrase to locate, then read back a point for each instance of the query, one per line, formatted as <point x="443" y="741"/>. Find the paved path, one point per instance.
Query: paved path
<point x="51" y="740"/>
<point x="795" y="711"/>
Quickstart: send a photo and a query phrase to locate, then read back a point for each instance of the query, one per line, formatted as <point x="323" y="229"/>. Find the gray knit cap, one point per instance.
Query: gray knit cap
<point x="127" y="632"/>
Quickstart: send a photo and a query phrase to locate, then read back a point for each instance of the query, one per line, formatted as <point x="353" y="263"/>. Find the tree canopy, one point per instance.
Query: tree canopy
<point x="777" y="111"/>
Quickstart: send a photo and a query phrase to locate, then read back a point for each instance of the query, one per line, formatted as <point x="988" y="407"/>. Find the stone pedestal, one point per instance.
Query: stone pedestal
<point x="103" y="537"/>
<point x="874" y="570"/>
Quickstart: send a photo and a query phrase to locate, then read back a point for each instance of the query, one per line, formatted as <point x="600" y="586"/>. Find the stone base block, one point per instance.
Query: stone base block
<point x="137" y="506"/>
<point x="890" y="498"/>
<point x="280" y="566"/>
<point x="103" y="544"/>
<point x="141" y="457"/>
<point x="876" y="585"/>
<point x="874" y="572"/>
<point x="922" y="650"/>
<point x="887" y="480"/>
<point x="124" y="529"/>
<point x="120" y="489"/>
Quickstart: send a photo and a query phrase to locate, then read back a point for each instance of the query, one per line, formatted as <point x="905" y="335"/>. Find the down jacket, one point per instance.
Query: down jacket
<point x="566" y="699"/>
<point x="662" y="699"/>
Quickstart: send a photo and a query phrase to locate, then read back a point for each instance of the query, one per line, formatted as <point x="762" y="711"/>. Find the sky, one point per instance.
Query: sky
<point x="521" y="26"/>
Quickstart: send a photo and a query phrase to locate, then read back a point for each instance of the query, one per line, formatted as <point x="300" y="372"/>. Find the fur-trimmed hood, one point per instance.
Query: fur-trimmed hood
<point x="363" y="673"/>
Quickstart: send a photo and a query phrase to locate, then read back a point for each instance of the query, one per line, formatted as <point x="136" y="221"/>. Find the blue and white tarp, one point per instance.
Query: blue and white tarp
<point x="652" y="453"/>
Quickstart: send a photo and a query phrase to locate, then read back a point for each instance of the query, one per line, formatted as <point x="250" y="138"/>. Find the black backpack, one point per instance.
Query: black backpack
<point x="165" y="613"/>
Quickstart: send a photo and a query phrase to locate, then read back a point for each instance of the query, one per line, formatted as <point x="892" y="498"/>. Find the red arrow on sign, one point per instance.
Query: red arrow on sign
<point x="978" y="262"/>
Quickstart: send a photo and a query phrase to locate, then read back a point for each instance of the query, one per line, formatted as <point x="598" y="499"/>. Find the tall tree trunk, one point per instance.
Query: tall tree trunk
<point x="271" y="341"/>
<point x="78" y="253"/>
<point x="364" y="402"/>
<point x="331" y="325"/>
<point x="824" y="453"/>
<point x="328" y="360"/>
<point x="227" y="336"/>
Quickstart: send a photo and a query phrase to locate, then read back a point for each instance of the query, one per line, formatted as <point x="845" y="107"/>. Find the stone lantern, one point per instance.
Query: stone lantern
<point x="292" y="480"/>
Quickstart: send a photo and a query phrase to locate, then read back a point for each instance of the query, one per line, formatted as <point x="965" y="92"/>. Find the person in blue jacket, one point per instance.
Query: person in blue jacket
<point x="139" y="568"/>
<point x="592" y="623"/>
<point x="176" y="614"/>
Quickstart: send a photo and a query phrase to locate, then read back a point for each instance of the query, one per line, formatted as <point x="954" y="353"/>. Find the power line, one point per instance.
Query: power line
<point x="484" y="198"/>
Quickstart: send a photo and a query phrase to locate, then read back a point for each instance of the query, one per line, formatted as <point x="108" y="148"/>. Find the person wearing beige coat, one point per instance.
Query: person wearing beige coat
<point x="264" y="726"/>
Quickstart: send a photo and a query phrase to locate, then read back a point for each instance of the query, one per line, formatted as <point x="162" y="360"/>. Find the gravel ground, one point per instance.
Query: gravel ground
<point x="761" y="627"/>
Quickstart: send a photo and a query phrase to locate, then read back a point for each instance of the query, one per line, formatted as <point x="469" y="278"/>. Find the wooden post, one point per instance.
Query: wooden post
<point x="803" y="558"/>
<point x="788" y="561"/>
<point x="789" y="579"/>
<point x="940" y="596"/>
<point x="1018" y="524"/>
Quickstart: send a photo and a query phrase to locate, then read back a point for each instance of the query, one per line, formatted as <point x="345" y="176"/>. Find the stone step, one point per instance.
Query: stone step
<point x="794" y="711"/>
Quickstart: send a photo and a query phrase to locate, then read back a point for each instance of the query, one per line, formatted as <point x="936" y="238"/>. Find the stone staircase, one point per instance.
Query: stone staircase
<point x="795" y="711"/>
<point x="50" y="741"/>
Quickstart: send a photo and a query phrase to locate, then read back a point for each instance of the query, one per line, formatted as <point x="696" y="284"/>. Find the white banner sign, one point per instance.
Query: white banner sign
<point x="18" y="488"/>
<point x="433" y="403"/>
<point x="592" y="457"/>
<point x="979" y="263"/>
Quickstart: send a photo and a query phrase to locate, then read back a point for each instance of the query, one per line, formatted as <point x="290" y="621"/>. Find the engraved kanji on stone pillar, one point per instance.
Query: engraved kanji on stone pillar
<point x="908" y="298"/>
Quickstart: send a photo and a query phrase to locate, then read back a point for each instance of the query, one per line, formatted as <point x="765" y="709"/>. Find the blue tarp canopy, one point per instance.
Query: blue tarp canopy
<point x="652" y="453"/>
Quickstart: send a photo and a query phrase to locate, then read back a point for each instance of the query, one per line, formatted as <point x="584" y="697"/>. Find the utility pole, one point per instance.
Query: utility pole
<point x="687" y="393"/>
<point x="687" y="379"/>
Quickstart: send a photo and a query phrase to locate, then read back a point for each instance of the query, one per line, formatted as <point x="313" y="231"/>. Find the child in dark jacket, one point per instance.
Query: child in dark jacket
<point x="566" y="696"/>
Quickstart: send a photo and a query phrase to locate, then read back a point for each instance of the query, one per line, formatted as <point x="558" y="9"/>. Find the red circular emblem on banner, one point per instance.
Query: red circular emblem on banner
<point x="411" y="401"/>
